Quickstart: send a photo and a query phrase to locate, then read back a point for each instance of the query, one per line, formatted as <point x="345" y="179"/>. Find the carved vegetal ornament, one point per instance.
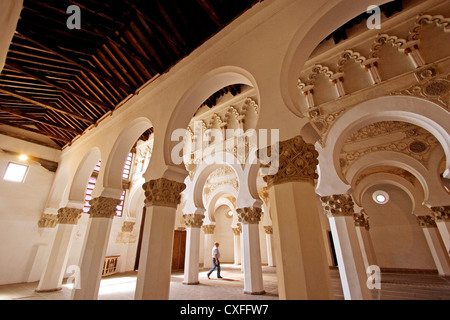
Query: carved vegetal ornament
<point x="297" y="162"/>
<point x="193" y="220"/>
<point x="69" y="215"/>
<point x="103" y="207"/>
<point x="249" y="215"/>
<point x="163" y="192"/>
<point x="338" y="205"/>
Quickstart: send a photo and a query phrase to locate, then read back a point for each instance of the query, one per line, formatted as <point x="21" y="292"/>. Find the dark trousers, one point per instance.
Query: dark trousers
<point x="215" y="265"/>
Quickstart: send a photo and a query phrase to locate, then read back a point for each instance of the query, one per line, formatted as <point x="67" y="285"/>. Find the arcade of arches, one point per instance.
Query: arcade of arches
<point x="363" y="178"/>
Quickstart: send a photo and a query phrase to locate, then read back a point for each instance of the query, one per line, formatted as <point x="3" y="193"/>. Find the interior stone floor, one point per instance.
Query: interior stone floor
<point x="394" y="286"/>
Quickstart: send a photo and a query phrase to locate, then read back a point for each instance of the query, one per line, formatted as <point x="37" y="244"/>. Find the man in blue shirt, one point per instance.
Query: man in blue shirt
<point x="216" y="262"/>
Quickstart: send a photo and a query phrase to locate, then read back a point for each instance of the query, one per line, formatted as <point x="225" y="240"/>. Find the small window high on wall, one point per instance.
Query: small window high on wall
<point x="15" y="172"/>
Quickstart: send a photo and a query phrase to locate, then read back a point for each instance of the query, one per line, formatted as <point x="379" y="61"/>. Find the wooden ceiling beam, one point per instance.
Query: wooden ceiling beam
<point x="37" y="120"/>
<point x="79" y="65"/>
<point x="48" y="135"/>
<point x="40" y="103"/>
<point x="40" y="77"/>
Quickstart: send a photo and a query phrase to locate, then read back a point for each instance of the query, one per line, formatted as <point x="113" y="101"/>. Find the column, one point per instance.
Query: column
<point x="193" y="224"/>
<point x="339" y="209"/>
<point x="442" y="218"/>
<point x="102" y="212"/>
<point x="237" y="244"/>
<point x="436" y="245"/>
<point x="364" y="239"/>
<point x="253" y="280"/>
<point x="269" y="242"/>
<point x="208" y="230"/>
<point x="155" y="264"/>
<point x="300" y="254"/>
<point x="55" y="266"/>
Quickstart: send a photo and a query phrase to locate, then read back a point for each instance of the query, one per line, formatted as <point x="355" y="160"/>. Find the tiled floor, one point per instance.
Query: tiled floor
<point x="394" y="286"/>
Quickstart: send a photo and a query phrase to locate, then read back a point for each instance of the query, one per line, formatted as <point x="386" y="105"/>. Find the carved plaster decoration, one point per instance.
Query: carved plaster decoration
<point x="208" y="228"/>
<point x="69" y="215"/>
<point x="350" y="55"/>
<point x="297" y="162"/>
<point x="128" y="226"/>
<point x="435" y="89"/>
<point x="222" y="176"/>
<point x="361" y="220"/>
<point x="103" y="207"/>
<point x="338" y="205"/>
<point x="268" y="229"/>
<point x="193" y="220"/>
<point x="48" y="221"/>
<point x="238" y="230"/>
<point x="163" y="192"/>
<point x="411" y="140"/>
<point x="383" y="39"/>
<point x="441" y="214"/>
<point x="422" y="19"/>
<point x="249" y="215"/>
<point x="264" y="195"/>
<point x="426" y="222"/>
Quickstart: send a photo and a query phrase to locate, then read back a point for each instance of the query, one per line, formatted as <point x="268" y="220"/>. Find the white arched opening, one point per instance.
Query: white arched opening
<point x="421" y="112"/>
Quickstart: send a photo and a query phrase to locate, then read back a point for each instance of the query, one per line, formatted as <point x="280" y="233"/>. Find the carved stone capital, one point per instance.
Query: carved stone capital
<point x="103" y="207"/>
<point x="250" y="215"/>
<point x="208" y="229"/>
<point x="128" y="226"/>
<point x="163" y="192"/>
<point x="268" y="229"/>
<point x="238" y="230"/>
<point x="69" y="215"/>
<point x="426" y="222"/>
<point x="338" y="205"/>
<point x="48" y="221"/>
<point x="361" y="220"/>
<point x="297" y="162"/>
<point x="441" y="214"/>
<point x="193" y="220"/>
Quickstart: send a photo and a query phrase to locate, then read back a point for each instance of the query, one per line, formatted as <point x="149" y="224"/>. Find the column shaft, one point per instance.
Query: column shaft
<point x="193" y="223"/>
<point x="101" y="213"/>
<point x="55" y="266"/>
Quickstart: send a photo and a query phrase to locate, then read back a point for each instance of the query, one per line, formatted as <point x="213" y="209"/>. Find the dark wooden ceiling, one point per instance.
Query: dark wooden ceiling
<point x="57" y="82"/>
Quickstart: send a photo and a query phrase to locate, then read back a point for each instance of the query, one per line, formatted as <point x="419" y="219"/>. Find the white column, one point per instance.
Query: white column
<point x="442" y="219"/>
<point x="55" y="265"/>
<point x="253" y="280"/>
<point x="302" y="266"/>
<point x="101" y="213"/>
<point x="436" y="245"/>
<point x="339" y="209"/>
<point x="208" y="245"/>
<point x="155" y="264"/>
<point x="191" y="263"/>
<point x="269" y="243"/>
<point x="237" y="244"/>
<point x="364" y="239"/>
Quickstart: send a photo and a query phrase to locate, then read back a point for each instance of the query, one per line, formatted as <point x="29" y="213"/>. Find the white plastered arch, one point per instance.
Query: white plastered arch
<point x="193" y="98"/>
<point x="421" y="112"/>
<point x="246" y="177"/>
<point x="434" y="193"/>
<point x="112" y="179"/>
<point x="415" y="192"/>
<point x="80" y="180"/>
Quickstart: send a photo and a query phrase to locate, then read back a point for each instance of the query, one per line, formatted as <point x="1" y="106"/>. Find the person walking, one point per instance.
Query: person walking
<point x="216" y="261"/>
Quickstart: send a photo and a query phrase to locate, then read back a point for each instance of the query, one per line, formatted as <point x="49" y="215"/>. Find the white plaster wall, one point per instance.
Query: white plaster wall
<point x="22" y="244"/>
<point x="397" y="238"/>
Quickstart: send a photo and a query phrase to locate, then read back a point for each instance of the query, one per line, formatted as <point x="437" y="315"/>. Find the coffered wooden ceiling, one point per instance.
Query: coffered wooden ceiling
<point x="58" y="82"/>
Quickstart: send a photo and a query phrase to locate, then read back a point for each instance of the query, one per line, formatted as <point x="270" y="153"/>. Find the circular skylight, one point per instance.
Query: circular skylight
<point x="380" y="197"/>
